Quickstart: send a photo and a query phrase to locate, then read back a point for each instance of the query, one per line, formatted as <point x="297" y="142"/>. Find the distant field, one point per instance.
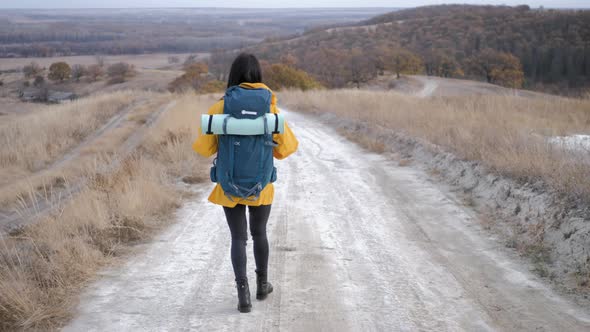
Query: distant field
<point x="154" y="73"/>
<point x="147" y="61"/>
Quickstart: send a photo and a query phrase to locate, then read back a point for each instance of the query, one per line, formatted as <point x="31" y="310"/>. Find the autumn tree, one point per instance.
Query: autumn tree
<point x="195" y="76"/>
<point x="31" y="70"/>
<point x="396" y="59"/>
<point x="497" y="67"/>
<point x="509" y="77"/>
<point x="213" y="86"/>
<point x="439" y="63"/>
<point x="278" y="76"/>
<point x="59" y="71"/>
<point x="289" y="60"/>
<point x="401" y="61"/>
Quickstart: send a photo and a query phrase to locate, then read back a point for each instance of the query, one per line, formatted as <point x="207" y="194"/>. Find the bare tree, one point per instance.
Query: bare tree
<point x="362" y="68"/>
<point x="190" y="60"/>
<point x="100" y="60"/>
<point x="79" y="71"/>
<point x="94" y="72"/>
<point x="39" y="81"/>
<point x="32" y="70"/>
<point x="120" y="72"/>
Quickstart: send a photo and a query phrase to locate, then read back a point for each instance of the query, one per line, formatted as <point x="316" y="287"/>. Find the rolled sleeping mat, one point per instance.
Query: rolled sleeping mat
<point x="213" y="124"/>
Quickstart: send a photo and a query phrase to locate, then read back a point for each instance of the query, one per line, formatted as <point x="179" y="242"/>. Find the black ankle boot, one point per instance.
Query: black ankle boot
<point x="263" y="287"/>
<point x="244" y="304"/>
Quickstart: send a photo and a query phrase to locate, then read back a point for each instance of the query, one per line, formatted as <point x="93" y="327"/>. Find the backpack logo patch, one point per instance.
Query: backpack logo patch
<point x="249" y="113"/>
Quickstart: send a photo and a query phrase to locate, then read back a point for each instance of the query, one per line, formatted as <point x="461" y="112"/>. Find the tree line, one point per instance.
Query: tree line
<point x="125" y="46"/>
<point x="211" y="76"/>
<point x="60" y="72"/>
<point x="338" y="67"/>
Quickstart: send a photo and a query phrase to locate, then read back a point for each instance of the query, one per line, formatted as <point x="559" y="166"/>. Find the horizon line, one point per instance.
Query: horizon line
<point x="255" y="8"/>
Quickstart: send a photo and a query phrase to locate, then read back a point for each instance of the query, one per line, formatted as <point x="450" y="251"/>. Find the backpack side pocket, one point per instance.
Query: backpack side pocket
<point x="273" y="176"/>
<point x="213" y="173"/>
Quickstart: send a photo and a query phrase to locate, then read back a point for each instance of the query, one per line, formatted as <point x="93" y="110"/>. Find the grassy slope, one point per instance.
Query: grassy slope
<point x="43" y="266"/>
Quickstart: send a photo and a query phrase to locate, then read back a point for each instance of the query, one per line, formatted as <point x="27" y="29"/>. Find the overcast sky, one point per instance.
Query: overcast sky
<point x="269" y="3"/>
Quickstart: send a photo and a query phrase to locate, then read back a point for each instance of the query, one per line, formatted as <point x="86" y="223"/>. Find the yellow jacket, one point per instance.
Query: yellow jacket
<point x="206" y="145"/>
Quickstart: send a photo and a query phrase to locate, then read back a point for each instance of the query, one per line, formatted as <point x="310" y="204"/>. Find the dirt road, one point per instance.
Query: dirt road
<point x="439" y="86"/>
<point x="428" y="86"/>
<point x="358" y="243"/>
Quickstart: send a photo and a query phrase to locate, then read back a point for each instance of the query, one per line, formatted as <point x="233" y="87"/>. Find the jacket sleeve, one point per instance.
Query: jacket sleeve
<point x="287" y="142"/>
<point x="206" y="145"/>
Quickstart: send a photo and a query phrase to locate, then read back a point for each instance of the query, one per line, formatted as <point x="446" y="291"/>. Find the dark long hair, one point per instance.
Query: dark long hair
<point x="244" y="69"/>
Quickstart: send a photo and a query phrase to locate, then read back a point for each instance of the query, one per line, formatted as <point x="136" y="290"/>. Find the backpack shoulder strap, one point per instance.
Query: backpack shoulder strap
<point x="209" y="132"/>
<point x="276" y="131"/>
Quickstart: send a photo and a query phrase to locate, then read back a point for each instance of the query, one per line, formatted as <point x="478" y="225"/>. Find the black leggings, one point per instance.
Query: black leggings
<point x="236" y="219"/>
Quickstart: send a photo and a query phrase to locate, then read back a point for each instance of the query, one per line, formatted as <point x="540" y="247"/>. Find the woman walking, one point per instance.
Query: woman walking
<point x="245" y="79"/>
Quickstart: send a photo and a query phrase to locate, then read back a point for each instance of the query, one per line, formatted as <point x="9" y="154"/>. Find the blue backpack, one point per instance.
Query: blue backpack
<point x="244" y="163"/>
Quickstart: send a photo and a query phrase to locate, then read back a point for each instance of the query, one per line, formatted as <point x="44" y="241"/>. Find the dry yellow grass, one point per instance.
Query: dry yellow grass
<point x="49" y="260"/>
<point x="44" y="265"/>
<point x="506" y="133"/>
<point x="21" y="184"/>
<point x="31" y="141"/>
<point x="371" y="143"/>
<point x="168" y="140"/>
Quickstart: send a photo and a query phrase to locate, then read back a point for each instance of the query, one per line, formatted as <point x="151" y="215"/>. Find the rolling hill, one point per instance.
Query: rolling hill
<point x="538" y="49"/>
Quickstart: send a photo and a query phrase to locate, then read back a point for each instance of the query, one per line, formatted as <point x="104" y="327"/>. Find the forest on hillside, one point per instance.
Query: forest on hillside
<point x="510" y="46"/>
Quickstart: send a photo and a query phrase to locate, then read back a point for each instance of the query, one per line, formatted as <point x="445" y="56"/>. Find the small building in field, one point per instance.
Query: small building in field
<point x="41" y="95"/>
<point x="60" y="96"/>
